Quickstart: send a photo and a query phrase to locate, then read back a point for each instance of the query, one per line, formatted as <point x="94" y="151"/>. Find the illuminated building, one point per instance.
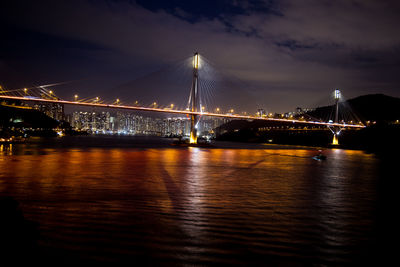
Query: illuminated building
<point x="53" y="110"/>
<point x="128" y="123"/>
<point x="95" y="122"/>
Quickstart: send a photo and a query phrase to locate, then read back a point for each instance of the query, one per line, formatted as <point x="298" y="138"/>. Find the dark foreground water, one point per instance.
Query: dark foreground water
<point x="141" y="200"/>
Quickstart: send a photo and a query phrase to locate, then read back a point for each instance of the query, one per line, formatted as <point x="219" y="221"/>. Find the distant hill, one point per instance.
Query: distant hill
<point x="373" y="107"/>
<point x="24" y="117"/>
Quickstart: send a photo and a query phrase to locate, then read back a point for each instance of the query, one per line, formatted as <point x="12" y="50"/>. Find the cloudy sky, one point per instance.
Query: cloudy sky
<point x="284" y="53"/>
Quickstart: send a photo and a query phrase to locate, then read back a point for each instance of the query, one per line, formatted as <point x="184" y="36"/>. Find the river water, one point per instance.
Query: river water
<point x="131" y="200"/>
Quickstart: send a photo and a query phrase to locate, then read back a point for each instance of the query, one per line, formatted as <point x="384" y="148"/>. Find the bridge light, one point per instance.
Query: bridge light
<point x="76" y="97"/>
<point x="117" y="100"/>
<point x="337" y="94"/>
<point x="217" y="109"/>
<point x="51" y="92"/>
<point x="196" y="59"/>
<point x="25" y="90"/>
<point x="172" y="106"/>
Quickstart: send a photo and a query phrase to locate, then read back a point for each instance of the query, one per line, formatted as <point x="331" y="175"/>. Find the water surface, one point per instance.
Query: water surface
<point x="140" y="199"/>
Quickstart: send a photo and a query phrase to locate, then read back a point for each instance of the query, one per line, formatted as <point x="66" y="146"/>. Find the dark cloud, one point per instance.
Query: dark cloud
<point x="285" y="53"/>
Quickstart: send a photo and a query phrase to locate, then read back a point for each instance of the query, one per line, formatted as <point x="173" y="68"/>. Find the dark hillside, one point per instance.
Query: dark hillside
<point x="25" y="117"/>
<point x="374" y="107"/>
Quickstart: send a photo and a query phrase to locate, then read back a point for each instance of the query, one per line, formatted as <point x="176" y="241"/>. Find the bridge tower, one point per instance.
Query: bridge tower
<point x="194" y="99"/>
<point x="336" y="130"/>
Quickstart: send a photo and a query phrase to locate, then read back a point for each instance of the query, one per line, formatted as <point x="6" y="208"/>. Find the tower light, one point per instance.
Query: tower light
<point x="337" y="94"/>
<point x="196" y="60"/>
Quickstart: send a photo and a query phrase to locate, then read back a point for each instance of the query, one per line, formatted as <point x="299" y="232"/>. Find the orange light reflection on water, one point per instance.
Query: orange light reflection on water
<point x="263" y="196"/>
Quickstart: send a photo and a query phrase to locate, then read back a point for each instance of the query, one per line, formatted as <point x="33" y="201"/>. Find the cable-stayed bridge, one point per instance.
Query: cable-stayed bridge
<point x="195" y="110"/>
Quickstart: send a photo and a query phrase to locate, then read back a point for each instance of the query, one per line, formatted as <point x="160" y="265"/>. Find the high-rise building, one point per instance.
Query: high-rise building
<point x="261" y="112"/>
<point x="95" y="122"/>
<point x="53" y="110"/>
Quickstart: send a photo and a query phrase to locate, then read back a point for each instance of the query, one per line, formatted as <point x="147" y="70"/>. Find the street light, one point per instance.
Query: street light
<point x="117" y="101"/>
<point x="217" y="109"/>
<point x="76" y="97"/>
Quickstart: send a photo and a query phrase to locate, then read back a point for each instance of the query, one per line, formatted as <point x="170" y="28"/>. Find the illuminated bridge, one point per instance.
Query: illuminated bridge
<point x="194" y="110"/>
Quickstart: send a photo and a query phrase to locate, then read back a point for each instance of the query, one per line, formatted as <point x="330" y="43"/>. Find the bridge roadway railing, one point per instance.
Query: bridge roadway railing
<point x="172" y="111"/>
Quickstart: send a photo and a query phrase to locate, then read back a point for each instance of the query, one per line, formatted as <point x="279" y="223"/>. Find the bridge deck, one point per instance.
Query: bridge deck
<point x="184" y="112"/>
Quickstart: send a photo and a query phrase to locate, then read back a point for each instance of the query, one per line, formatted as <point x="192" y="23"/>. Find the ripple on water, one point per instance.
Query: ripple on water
<point x="184" y="206"/>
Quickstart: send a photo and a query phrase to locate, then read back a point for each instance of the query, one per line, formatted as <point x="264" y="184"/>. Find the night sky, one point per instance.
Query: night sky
<point x="283" y="53"/>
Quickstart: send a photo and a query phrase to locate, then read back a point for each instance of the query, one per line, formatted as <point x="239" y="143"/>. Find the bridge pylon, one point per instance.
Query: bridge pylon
<point x="194" y="119"/>
<point x="335" y="129"/>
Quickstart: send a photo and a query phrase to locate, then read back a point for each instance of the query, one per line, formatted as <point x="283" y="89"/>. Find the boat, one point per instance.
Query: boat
<point x="320" y="156"/>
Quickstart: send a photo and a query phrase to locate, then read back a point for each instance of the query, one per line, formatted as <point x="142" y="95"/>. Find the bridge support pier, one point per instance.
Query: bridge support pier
<point x="335" y="140"/>
<point x="193" y="129"/>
